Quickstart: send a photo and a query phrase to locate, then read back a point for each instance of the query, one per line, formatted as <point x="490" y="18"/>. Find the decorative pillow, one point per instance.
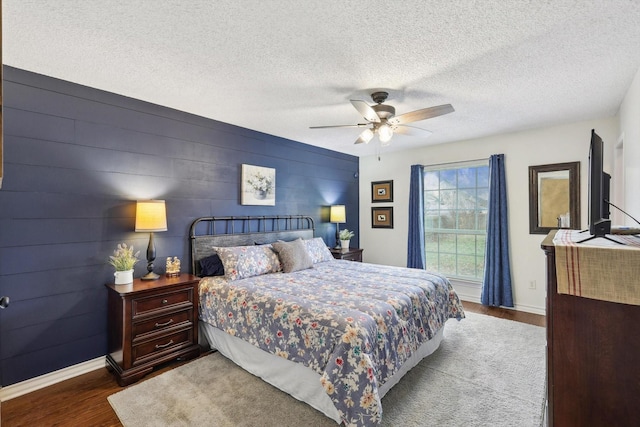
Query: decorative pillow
<point x="293" y="255"/>
<point x="211" y="266"/>
<point x="248" y="261"/>
<point x="318" y="250"/>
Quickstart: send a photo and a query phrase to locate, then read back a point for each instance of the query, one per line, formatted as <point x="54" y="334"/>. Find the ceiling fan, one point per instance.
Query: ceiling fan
<point x="384" y="122"/>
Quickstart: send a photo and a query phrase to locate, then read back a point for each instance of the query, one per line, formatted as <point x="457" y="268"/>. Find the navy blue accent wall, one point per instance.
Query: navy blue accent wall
<point x="76" y="159"/>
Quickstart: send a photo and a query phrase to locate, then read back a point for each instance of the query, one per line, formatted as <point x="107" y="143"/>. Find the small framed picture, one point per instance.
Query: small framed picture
<point x="382" y="191"/>
<point x="382" y="217"/>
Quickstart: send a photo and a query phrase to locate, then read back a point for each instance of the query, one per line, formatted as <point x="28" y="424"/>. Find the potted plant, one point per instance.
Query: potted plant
<point x="123" y="260"/>
<point x="345" y="237"/>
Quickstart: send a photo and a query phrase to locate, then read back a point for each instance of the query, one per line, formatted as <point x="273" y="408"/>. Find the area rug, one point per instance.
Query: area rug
<point x="487" y="372"/>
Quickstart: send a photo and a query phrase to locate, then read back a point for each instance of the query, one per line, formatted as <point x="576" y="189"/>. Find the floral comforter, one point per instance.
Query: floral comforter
<point x="353" y="323"/>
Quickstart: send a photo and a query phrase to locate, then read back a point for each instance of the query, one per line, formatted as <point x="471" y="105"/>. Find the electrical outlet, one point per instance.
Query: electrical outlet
<point x="532" y="284"/>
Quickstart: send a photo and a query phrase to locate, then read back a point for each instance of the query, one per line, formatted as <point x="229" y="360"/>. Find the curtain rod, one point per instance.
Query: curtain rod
<point x="456" y="162"/>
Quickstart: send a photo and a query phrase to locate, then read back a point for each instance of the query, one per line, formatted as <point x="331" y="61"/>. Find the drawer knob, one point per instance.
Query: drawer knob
<point x="158" y="346"/>
<point x="164" y="301"/>
<point x="161" y="325"/>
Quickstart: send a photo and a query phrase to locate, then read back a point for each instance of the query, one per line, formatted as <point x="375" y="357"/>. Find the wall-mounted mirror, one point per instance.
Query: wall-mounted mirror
<point x="554" y="197"/>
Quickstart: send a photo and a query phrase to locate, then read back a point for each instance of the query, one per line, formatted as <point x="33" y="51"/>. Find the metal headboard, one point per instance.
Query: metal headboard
<point x="207" y="232"/>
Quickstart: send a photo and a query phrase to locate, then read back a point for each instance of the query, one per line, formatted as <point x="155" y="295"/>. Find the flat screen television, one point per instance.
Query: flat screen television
<point x="599" y="190"/>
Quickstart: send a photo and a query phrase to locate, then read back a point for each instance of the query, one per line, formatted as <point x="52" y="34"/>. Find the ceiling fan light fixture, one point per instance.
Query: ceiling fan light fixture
<point x="367" y="135"/>
<point x="382" y="117"/>
<point x="385" y="133"/>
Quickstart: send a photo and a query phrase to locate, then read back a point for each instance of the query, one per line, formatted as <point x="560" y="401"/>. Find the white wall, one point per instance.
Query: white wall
<point x="630" y="133"/>
<point x="565" y="143"/>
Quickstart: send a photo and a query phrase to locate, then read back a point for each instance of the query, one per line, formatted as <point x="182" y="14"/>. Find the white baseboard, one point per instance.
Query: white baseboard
<point x="33" y="384"/>
<point x="531" y="309"/>
<point x="471" y="292"/>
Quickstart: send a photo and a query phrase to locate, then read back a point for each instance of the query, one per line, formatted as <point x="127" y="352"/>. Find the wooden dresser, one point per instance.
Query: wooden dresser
<point x="593" y="357"/>
<point x="151" y="322"/>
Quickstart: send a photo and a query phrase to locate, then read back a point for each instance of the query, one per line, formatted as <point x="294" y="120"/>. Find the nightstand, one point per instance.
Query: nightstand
<point x="351" y="254"/>
<point x="151" y="322"/>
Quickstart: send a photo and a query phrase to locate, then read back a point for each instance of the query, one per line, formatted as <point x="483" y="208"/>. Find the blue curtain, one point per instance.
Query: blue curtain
<point x="496" y="287"/>
<point x="415" y="248"/>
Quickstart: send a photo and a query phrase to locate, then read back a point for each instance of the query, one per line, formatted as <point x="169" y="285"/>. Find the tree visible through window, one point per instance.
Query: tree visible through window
<point x="456" y="202"/>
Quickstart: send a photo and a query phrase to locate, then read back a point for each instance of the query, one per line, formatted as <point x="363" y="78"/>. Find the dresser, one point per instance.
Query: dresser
<point x="593" y="356"/>
<point x="151" y="322"/>
<point x="351" y="254"/>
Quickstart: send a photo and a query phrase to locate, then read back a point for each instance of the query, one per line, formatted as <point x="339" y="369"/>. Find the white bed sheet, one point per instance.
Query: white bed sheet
<point x="293" y="378"/>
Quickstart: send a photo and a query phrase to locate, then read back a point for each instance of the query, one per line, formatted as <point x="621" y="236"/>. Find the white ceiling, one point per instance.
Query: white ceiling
<point x="280" y="66"/>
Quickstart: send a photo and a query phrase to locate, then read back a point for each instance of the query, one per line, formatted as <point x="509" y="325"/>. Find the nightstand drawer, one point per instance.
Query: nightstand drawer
<point x="351" y="254"/>
<point x="158" y="324"/>
<point x="355" y="256"/>
<point x="157" y="302"/>
<point x="166" y="343"/>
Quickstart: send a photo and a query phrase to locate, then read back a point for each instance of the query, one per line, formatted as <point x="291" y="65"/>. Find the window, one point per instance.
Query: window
<point x="455" y="203"/>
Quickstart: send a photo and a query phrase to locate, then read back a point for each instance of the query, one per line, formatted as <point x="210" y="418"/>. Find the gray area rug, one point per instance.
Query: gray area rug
<point x="487" y="372"/>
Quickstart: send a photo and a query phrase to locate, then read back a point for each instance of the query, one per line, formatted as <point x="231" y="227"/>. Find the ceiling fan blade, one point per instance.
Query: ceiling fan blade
<point x="359" y="125"/>
<point x="365" y="137"/>
<point x="365" y="109"/>
<point x="423" y="114"/>
<point x="411" y="130"/>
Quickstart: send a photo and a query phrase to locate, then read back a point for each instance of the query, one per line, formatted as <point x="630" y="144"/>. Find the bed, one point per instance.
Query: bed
<point x="335" y="334"/>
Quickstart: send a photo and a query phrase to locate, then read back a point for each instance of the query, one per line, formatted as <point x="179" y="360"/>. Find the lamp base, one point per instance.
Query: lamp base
<point x="150" y="276"/>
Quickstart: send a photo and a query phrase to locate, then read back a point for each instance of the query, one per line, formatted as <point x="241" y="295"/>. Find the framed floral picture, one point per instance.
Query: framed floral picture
<point x="258" y="185"/>
<point x="382" y="217"/>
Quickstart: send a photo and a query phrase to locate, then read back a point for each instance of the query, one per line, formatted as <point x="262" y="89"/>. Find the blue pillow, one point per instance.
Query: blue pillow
<point x="211" y="266"/>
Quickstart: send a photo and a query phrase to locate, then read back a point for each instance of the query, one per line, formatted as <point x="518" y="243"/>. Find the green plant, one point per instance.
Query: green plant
<point x="123" y="258"/>
<point x="346" y="234"/>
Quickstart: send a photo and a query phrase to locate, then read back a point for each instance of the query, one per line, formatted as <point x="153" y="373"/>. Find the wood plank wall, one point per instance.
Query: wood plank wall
<point x="1" y="162"/>
<point x="76" y="159"/>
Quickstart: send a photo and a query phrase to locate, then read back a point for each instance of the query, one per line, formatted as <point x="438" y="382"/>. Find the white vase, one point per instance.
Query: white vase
<point x="124" y="277"/>
<point x="344" y="244"/>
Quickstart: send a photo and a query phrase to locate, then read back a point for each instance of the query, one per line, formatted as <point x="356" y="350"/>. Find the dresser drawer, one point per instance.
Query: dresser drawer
<point x="161" y="323"/>
<point x="162" y="344"/>
<point x="141" y="306"/>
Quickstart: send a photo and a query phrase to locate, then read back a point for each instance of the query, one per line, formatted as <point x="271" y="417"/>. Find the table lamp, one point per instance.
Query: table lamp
<point x="339" y="216"/>
<point x="151" y="216"/>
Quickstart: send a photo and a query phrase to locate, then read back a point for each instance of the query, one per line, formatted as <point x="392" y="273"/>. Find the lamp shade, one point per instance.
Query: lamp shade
<point x="151" y="215"/>
<point x="338" y="214"/>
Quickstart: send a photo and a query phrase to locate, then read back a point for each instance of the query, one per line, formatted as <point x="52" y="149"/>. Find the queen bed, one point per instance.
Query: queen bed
<point x="335" y="334"/>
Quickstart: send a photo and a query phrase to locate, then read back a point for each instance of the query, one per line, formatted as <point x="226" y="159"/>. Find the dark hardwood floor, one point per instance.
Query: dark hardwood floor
<point x="82" y="401"/>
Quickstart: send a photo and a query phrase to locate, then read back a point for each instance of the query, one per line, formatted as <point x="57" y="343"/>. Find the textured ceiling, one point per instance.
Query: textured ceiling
<point x="279" y="66"/>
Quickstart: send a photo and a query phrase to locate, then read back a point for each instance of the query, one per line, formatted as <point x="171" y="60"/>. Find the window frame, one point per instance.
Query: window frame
<point x="480" y="234"/>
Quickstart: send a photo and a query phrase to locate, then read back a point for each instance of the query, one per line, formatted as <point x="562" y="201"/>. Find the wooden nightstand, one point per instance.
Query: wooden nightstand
<point x="151" y="322"/>
<point x="351" y="254"/>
